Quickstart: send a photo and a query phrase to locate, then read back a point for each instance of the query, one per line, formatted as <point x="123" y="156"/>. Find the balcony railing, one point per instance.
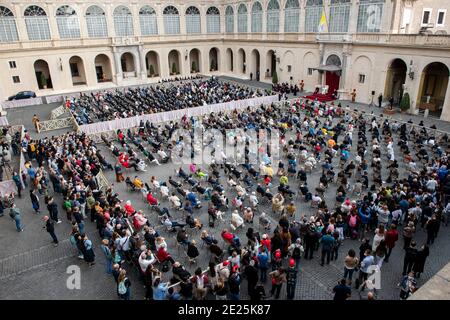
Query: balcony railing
<point x="412" y="40"/>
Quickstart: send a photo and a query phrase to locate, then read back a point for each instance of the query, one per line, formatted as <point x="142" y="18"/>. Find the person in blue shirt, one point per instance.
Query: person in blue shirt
<point x="160" y="289"/>
<point x="263" y="264"/>
<point x="366" y="264"/>
<point x="328" y="242"/>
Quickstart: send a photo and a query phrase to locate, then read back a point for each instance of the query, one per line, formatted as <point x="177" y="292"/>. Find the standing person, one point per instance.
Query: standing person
<point x="251" y="274"/>
<point x="14" y="213"/>
<point x="366" y="263"/>
<point x="124" y="285"/>
<point x="408" y="233"/>
<point x="408" y="286"/>
<point x="422" y="256"/>
<point x="53" y="210"/>
<point x="380" y="100"/>
<point x="432" y="225"/>
<point x="391" y="102"/>
<point x="108" y="257"/>
<point x="390" y="239"/>
<point x="35" y="121"/>
<point x="328" y="242"/>
<point x="350" y="264"/>
<point x="278" y="278"/>
<point x="353" y="95"/>
<point x="263" y="264"/>
<point x="410" y="258"/>
<point x="291" y="279"/>
<point x="50" y="227"/>
<point x="89" y="255"/>
<point x="234" y="283"/>
<point x="78" y="217"/>
<point x="341" y="291"/>
<point x="18" y="182"/>
<point x="34" y="201"/>
<point x="380" y="253"/>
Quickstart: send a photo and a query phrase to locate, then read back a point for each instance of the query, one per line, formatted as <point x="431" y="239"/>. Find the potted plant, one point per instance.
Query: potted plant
<point x="152" y="71"/>
<point x="43" y="81"/>
<point x="174" y="68"/>
<point x="405" y="103"/>
<point x="274" y="77"/>
<point x="193" y="67"/>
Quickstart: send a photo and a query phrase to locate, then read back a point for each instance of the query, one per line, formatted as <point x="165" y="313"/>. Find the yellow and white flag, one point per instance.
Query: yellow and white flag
<point x="323" y="25"/>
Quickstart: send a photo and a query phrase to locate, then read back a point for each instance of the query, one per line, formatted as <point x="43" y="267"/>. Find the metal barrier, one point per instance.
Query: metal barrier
<point x="57" y="112"/>
<point x="56" y="124"/>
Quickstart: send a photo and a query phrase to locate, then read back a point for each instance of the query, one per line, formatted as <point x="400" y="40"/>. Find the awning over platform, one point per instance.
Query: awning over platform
<point x="329" y="67"/>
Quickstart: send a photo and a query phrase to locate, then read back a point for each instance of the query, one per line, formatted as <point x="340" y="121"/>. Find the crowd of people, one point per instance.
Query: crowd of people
<point x="391" y="182"/>
<point x="110" y="105"/>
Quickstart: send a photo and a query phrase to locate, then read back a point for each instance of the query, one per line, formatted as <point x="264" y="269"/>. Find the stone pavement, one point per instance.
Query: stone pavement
<point x="31" y="268"/>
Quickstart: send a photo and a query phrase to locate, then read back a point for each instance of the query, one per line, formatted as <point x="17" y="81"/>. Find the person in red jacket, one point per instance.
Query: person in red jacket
<point x="151" y="199"/>
<point x="390" y="237"/>
<point x="163" y="255"/>
<point x="227" y="236"/>
<point x="265" y="242"/>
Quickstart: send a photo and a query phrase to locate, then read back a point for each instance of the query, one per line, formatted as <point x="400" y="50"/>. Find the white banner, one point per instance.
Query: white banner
<point x="3" y="122"/>
<point x="132" y="122"/>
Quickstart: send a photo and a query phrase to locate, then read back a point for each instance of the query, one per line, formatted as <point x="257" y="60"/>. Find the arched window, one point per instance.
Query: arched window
<point x="273" y="16"/>
<point x="291" y="16"/>
<point x="193" y="20"/>
<point x="147" y="19"/>
<point x="229" y="19"/>
<point x="339" y="15"/>
<point x="8" y="28"/>
<point x="242" y="18"/>
<point x="171" y="20"/>
<point x="37" y="23"/>
<point x="123" y="21"/>
<point x="257" y="13"/>
<point x="313" y="13"/>
<point x="212" y="20"/>
<point x="96" y="22"/>
<point x="68" y="24"/>
<point x="369" y="15"/>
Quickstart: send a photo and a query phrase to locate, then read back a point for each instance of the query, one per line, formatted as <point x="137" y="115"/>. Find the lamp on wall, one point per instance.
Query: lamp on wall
<point x="411" y="72"/>
<point x="60" y="64"/>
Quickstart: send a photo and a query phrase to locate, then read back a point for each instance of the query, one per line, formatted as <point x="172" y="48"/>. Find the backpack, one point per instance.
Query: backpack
<point x="122" y="289"/>
<point x="296" y="253"/>
<point x="165" y="267"/>
<point x="352" y="222"/>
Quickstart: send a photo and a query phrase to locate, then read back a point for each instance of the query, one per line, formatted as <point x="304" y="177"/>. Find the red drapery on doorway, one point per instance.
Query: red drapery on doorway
<point x="332" y="81"/>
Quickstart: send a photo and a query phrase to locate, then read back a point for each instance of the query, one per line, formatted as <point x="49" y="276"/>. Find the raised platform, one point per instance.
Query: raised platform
<point x="320" y="97"/>
<point x="437" y="288"/>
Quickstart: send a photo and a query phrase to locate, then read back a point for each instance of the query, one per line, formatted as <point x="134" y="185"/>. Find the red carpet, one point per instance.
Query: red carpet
<point x="320" y="97"/>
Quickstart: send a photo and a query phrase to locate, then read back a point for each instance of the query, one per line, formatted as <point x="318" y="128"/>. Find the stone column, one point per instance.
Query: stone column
<point x="203" y="19"/>
<point x="302" y="13"/>
<point x="136" y="24"/>
<point x="110" y="21"/>
<point x="353" y="18"/>
<point x="117" y="65"/>
<point x="281" y="22"/>
<point x="143" y="74"/>
<point x="82" y="21"/>
<point x="321" y="62"/>
<point x="52" y="22"/>
<point x="181" y="12"/>
<point x="446" y="107"/>
<point x="159" y="19"/>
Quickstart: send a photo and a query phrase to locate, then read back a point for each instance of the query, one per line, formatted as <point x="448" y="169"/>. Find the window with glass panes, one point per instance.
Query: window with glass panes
<point x="123" y="22"/>
<point x="242" y="18"/>
<point x="147" y="20"/>
<point x="36" y="22"/>
<point x="257" y="15"/>
<point x="313" y="13"/>
<point x="213" y="20"/>
<point x="273" y="16"/>
<point x="8" y="28"/>
<point x="339" y="15"/>
<point x="369" y="15"/>
<point x="171" y="20"/>
<point x="291" y="16"/>
<point x="193" y="20"/>
<point x="67" y="21"/>
<point x="229" y="19"/>
<point x="96" y="22"/>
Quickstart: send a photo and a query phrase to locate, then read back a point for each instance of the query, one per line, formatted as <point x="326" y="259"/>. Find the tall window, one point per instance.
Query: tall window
<point x="229" y="19"/>
<point x="257" y="14"/>
<point x="213" y="20"/>
<point x="37" y="23"/>
<point x="96" y="22"/>
<point x="369" y="15"/>
<point x="242" y="18"/>
<point x="68" y="24"/>
<point x="123" y="22"/>
<point x="339" y="15"/>
<point x="147" y="20"/>
<point x="313" y="12"/>
<point x="291" y="16"/>
<point x="8" y="28"/>
<point x="193" y="20"/>
<point x="171" y="20"/>
<point x="273" y="16"/>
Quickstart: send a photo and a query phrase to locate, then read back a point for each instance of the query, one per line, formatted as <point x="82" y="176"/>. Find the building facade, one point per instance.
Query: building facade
<point x="384" y="47"/>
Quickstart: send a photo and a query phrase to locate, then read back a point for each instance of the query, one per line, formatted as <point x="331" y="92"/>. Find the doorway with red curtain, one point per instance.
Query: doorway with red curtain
<point x="332" y="81"/>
